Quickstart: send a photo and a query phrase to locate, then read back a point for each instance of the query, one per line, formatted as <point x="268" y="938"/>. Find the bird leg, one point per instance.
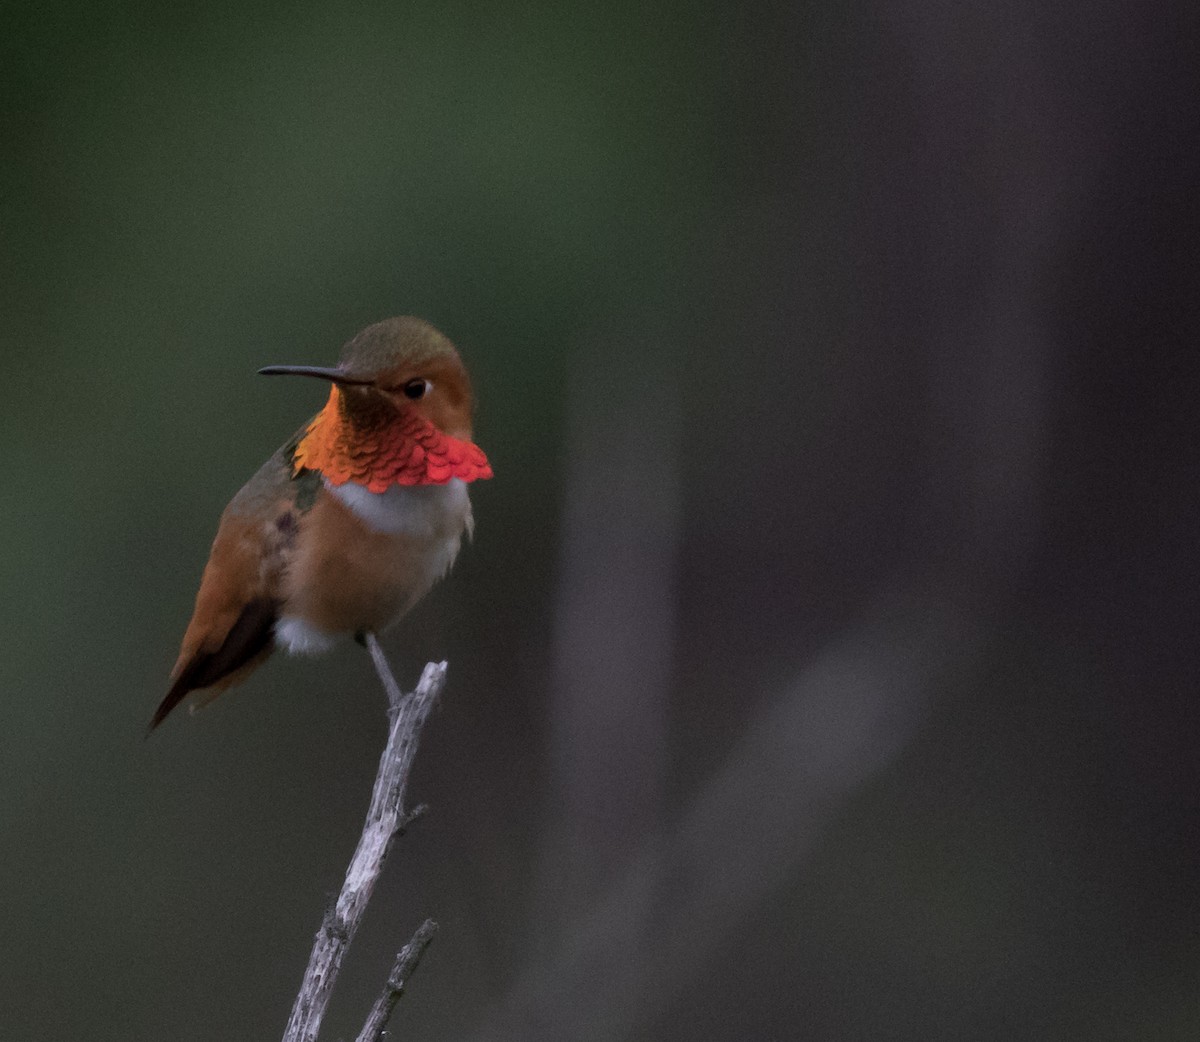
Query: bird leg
<point x="394" y="694"/>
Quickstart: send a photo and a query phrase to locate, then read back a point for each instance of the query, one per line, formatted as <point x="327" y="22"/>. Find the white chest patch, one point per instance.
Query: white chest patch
<point x="423" y="512"/>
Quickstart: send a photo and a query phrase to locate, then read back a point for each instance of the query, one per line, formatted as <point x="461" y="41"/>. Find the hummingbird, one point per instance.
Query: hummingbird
<point x="350" y="523"/>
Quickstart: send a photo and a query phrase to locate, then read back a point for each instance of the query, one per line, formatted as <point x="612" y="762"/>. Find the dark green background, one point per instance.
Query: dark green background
<point x="877" y="317"/>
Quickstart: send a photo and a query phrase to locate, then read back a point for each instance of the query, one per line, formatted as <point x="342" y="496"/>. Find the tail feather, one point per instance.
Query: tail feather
<point x="247" y="640"/>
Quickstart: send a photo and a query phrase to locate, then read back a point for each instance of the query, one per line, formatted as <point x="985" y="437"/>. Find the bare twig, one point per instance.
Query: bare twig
<point x="395" y="695"/>
<point x="406" y="964"/>
<point x="407" y="715"/>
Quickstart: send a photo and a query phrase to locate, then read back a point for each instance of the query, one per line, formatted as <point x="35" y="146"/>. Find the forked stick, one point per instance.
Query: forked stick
<point x="385" y="820"/>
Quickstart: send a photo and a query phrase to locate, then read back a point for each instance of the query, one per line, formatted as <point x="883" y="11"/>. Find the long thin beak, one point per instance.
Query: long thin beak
<point x="320" y="372"/>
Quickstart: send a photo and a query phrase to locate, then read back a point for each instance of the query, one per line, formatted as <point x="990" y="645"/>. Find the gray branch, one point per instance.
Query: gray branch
<point x="385" y="819"/>
<point x="406" y="965"/>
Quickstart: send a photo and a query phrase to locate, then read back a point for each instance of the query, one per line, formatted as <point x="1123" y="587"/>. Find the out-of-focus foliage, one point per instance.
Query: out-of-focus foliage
<point x="829" y="630"/>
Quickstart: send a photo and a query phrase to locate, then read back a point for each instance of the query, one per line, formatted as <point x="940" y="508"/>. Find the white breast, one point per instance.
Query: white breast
<point x="436" y="515"/>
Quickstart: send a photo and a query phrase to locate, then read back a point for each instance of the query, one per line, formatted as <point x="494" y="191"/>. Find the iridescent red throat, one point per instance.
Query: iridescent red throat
<point x="404" y="449"/>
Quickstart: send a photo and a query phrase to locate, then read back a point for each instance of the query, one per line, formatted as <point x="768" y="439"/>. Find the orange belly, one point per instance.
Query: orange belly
<point x="347" y="576"/>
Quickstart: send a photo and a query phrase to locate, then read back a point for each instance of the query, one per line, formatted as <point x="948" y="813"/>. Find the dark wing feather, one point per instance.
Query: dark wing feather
<point x="249" y="636"/>
<point x="236" y="586"/>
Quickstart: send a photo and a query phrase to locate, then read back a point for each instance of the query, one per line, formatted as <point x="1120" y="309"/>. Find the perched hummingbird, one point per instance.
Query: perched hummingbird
<point x="351" y="522"/>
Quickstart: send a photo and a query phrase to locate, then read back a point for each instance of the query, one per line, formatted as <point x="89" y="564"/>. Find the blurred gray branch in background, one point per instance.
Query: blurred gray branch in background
<point x="676" y="894"/>
<point x="616" y="616"/>
<point x="841" y="721"/>
<point x="385" y="820"/>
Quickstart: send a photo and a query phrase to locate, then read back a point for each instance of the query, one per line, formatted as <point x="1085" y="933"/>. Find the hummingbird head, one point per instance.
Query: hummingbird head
<point x="399" y="411"/>
<point x="401" y="365"/>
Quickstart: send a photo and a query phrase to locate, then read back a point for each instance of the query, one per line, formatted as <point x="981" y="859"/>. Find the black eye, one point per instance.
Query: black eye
<point x="415" y="389"/>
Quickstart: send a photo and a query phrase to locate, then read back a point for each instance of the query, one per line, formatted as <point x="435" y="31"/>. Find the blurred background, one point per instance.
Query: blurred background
<point x="824" y="665"/>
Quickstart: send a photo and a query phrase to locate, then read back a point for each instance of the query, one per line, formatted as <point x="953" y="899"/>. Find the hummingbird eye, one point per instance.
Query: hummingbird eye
<point x="418" y="388"/>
